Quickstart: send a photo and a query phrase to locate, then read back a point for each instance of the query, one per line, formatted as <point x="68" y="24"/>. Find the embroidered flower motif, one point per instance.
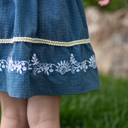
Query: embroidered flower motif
<point x="72" y="59"/>
<point x="47" y="69"/>
<point x="63" y="67"/>
<point x="84" y="66"/>
<point x="24" y="68"/>
<point x="3" y="66"/>
<point x="40" y="67"/>
<point x="37" y="67"/>
<point x="76" y="67"/>
<point x="92" y="62"/>
<point x="10" y="64"/>
<point x="16" y="65"/>
<point x="35" y="59"/>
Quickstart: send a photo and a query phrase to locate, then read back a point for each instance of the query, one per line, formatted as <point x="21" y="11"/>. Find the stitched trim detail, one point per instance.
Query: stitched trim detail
<point x="61" y="67"/>
<point x="44" y="41"/>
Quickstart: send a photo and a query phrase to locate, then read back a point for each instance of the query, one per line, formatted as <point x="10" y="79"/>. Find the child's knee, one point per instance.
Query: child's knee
<point x="13" y="107"/>
<point x="13" y="121"/>
<point x="43" y="110"/>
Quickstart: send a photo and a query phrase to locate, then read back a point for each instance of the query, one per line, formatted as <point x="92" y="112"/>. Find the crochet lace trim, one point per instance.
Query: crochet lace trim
<point x="44" y="41"/>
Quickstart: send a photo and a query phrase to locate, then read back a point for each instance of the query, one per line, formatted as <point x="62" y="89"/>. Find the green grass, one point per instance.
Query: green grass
<point x="115" y="5"/>
<point x="106" y="107"/>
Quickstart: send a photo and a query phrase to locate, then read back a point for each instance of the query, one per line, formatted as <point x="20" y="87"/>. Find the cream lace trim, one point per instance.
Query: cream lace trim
<point x="44" y="41"/>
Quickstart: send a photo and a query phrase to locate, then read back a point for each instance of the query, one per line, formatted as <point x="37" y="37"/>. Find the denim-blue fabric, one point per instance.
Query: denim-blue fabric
<point x="30" y="69"/>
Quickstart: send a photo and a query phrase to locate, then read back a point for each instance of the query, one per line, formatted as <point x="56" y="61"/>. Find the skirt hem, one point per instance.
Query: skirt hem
<point x="75" y="92"/>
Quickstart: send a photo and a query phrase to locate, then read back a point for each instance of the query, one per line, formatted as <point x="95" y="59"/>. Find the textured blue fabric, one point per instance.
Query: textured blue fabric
<point x="28" y="69"/>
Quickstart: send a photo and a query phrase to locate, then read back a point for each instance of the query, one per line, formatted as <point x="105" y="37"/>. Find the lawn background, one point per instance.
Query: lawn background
<point x="106" y="107"/>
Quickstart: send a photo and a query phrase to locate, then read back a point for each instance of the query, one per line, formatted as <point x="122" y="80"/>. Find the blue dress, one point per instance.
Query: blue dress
<point x="45" y="49"/>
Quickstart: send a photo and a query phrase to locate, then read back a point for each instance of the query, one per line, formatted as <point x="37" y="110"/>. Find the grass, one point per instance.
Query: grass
<point x="115" y="5"/>
<point x="106" y="107"/>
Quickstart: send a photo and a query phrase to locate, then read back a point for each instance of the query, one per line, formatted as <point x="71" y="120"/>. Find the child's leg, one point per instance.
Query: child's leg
<point x="43" y="111"/>
<point x="14" y="111"/>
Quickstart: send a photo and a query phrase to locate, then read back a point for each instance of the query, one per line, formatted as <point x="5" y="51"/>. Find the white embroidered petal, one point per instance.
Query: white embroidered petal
<point x="71" y="54"/>
<point x="84" y="70"/>
<point x="57" y="69"/>
<point x="20" y="72"/>
<point x="64" y="62"/>
<point x="81" y="67"/>
<point x="3" y="66"/>
<point x="59" y="64"/>
<point x="47" y="73"/>
<point x="50" y="66"/>
<point x="29" y="68"/>
<point x="1" y="69"/>
<point x="11" y="69"/>
<point x="78" y="70"/>
<point x="32" y="60"/>
<point x="38" y="71"/>
<point x="23" y="63"/>
<point x="24" y="68"/>
<point x="67" y="63"/>
<point x="34" y="54"/>
<point x="51" y="70"/>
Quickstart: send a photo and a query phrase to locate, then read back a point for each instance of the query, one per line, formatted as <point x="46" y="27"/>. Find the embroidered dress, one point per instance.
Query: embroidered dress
<point x="45" y="48"/>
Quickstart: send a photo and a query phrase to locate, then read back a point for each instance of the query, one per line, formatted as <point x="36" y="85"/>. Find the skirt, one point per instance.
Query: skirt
<point x="45" y="49"/>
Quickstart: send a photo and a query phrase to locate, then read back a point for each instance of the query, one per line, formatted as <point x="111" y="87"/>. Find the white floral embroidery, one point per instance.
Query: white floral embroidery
<point x="62" y="67"/>
<point x="92" y="61"/>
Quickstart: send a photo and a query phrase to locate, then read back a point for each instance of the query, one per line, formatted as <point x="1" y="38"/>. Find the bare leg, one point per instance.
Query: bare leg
<point x="14" y="111"/>
<point x="43" y="111"/>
